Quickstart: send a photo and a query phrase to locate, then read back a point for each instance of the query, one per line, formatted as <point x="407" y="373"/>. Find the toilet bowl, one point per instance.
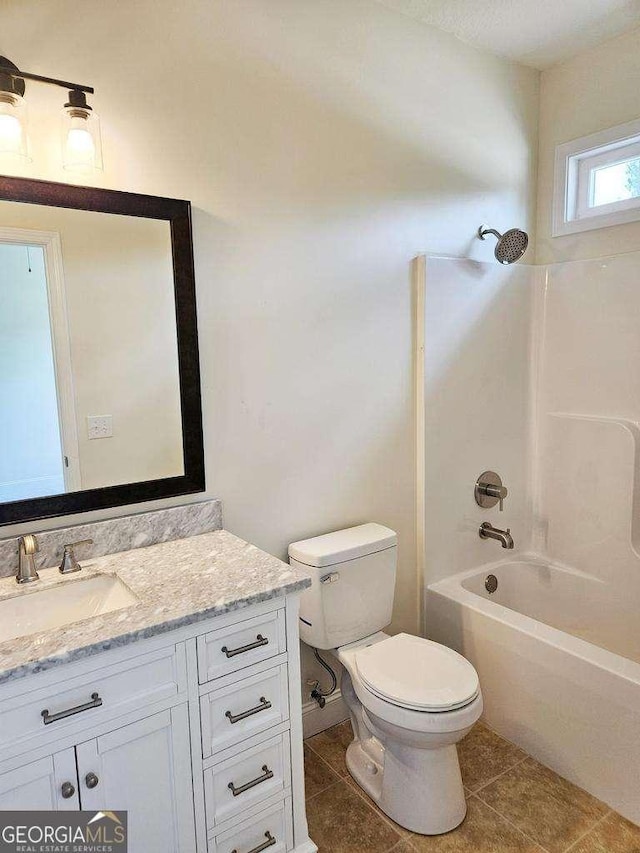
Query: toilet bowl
<point x="410" y="699"/>
<point x="404" y="749"/>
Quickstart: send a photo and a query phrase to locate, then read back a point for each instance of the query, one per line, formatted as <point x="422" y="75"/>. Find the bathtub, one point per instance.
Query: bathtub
<point x="558" y="655"/>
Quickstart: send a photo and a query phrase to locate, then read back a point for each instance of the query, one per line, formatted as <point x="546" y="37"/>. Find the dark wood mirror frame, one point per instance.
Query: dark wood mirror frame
<point x="178" y="214"/>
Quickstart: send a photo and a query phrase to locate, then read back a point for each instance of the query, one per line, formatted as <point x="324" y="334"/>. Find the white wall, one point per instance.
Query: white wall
<point x="596" y="90"/>
<point x="118" y="282"/>
<point x="323" y="146"/>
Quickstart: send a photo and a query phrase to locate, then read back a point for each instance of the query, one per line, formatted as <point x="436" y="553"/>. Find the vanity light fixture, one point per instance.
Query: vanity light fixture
<point x="81" y="144"/>
<point x="81" y="147"/>
<point x="13" y="114"/>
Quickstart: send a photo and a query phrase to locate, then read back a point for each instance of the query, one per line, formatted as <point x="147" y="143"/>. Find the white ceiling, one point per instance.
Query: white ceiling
<point x="534" y="32"/>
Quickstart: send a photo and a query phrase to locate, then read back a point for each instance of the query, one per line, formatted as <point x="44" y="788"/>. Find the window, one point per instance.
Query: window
<point x="597" y="181"/>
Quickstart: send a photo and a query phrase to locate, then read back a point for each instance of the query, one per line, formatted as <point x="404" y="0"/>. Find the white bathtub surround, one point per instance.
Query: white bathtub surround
<point x="588" y="505"/>
<point x="532" y="373"/>
<point x="474" y="388"/>
<point x="559" y="661"/>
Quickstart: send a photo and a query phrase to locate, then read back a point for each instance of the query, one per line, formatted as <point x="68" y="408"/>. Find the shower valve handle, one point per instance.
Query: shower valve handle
<point x="499" y="492"/>
<point x="489" y="490"/>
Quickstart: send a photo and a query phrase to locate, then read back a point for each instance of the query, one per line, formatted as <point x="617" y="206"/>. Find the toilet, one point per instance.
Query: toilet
<point x="410" y="699"/>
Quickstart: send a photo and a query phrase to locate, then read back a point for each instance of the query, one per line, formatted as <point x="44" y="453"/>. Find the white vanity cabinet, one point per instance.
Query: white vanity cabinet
<point x="196" y="733"/>
<point x="40" y="782"/>
<point x="145" y="768"/>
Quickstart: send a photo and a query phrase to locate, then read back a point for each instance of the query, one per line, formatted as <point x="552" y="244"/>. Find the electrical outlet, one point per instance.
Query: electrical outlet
<point x="99" y="426"/>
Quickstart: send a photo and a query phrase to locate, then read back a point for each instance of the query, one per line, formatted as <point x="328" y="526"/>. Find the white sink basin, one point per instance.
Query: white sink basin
<point x="61" y="604"/>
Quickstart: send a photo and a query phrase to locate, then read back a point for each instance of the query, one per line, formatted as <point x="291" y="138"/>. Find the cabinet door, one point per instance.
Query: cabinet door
<point x="144" y="768"/>
<point x="50" y="783"/>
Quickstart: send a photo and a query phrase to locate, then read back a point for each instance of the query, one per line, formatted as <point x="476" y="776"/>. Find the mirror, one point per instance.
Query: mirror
<point x="99" y="375"/>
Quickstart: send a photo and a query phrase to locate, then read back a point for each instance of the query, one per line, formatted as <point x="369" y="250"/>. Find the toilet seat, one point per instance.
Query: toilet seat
<point x="417" y="674"/>
<point x="416" y="721"/>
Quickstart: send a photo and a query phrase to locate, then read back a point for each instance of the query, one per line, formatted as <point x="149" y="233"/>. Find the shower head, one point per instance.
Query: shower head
<point x="511" y="245"/>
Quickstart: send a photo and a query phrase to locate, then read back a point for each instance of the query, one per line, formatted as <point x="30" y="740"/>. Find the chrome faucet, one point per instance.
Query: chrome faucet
<point x="27" y="547"/>
<point x="488" y="531"/>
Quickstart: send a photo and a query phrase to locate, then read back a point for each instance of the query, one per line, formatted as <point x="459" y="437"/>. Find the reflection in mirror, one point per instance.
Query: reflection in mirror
<point x="89" y="376"/>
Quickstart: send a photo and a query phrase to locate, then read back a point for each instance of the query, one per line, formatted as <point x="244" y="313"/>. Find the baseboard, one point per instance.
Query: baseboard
<point x="316" y="719"/>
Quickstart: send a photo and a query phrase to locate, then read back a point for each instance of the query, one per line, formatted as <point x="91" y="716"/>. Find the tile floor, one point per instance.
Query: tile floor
<point x="515" y="806"/>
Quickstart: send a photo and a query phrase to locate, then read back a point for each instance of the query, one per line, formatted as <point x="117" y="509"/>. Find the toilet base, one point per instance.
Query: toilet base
<point x="418" y="787"/>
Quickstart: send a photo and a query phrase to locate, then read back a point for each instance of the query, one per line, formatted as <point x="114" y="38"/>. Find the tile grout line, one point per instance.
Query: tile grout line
<point x="378" y="811"/>
<point x="356" y="790"/>
<point x="589" y="831"/>
<point x="514" y="826"/>
<point x="499" y="776"/>
<point x="368" y="805"/>
<point x="407" y="839"/>
<point x="321" y="791"/>
<point x="396" y="844"/>
<point x="324" y="790"/>
<point x="399" y="844"/>
<point x="506" y="740"/>
<point x="315" y="752"/>
<point x="360" y="793"/>
<point x="324" y="761"/>
<point x="573" y="843"/>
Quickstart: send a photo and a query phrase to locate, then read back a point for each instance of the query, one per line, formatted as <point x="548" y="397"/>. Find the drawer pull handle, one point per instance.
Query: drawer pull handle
<point x="259" y="641"/>
<point x="235" y="718"/>
<point x="48" y="718"/>
<point x="271" y="840"/>
<point x="266" y="774"/>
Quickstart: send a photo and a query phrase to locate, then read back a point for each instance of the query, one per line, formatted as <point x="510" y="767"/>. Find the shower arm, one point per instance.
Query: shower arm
<point x="482" y="232"/>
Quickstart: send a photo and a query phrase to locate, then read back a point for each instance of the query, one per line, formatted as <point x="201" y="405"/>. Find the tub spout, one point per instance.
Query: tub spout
<point x="488" y="531"/>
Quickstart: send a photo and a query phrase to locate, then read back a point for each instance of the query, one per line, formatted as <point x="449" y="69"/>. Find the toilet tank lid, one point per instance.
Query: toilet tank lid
<point x="343" y="545"/>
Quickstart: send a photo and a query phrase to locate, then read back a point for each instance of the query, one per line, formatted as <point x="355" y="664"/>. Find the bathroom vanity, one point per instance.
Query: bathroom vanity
<point x="163" y="678"/>
<point x="178" y="699"/>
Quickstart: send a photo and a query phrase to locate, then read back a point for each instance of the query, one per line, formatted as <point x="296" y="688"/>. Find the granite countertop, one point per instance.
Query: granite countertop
<point x="177" y="583"/>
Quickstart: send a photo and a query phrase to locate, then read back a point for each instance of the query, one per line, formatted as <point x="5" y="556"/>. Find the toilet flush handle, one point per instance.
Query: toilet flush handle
<point x="332" y="577"/>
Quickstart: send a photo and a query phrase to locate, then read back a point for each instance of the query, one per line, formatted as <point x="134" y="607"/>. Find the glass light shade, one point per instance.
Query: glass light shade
<point x="13" y="127"/>
<point x="81" y="143"/>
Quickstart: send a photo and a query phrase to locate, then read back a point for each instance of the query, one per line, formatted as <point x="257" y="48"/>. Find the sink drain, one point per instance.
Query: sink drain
<point x="491" y="584"/>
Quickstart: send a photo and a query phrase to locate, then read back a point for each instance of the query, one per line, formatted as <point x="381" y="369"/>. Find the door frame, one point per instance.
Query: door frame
<point x="51" y="244"/>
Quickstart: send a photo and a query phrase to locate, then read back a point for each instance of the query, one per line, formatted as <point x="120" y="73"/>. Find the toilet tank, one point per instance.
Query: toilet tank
<point x="353" y="579"/>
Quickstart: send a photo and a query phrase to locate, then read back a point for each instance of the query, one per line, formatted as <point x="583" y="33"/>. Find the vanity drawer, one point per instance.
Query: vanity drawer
<point x="237" y="646"/>
<point x="246" y="779"/>
<point x="93" y="696"/>
<point x="230" y="714"/>
<point x="259" y="832"/>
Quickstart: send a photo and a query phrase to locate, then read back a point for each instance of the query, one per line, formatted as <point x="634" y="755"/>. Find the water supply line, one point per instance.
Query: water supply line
<point x="319" y="695"/>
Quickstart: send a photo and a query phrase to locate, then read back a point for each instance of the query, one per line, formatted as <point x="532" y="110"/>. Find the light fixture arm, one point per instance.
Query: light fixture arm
<point x="11" y="70"/>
